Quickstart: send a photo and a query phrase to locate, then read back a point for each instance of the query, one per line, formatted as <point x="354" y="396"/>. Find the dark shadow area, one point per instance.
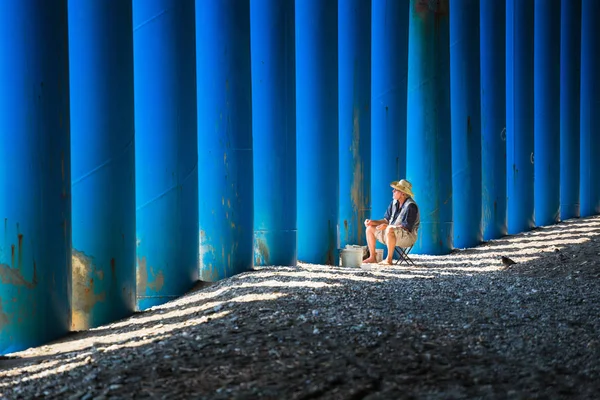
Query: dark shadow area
<point x="456" y="326"/>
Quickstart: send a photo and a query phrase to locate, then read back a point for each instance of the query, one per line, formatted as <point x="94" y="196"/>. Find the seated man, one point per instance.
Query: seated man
<point x="399" y="225"/>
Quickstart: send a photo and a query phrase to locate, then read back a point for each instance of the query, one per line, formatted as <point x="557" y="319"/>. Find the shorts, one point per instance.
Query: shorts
<point x="403" y="238"/>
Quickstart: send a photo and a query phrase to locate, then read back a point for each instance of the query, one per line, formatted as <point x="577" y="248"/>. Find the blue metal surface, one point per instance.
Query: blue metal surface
<point x="274" y="131"/>
<point x="102" y="161"/>
<point x="35" y="174"/>
<point x="465" y="97"/>
<point x="519" y="115"/>
<point x="354" y="33"/>
<point x="428" y="124"/>
<point x="317" y="130"/>
<point x="224" y="138"/>
<point x="590" y="106"/>
<point x="389" y="69"/>
<point x="547" y="111"/>
<point x="570" y="62"/>
<point x="493" y="117"/>
<point x="165" y="149"/>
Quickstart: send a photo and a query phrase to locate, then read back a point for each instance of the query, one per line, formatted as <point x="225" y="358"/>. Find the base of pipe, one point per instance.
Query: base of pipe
<point x="434" y="238"/>
<point x="144" y="303"/>
<point x="275" y="248"/>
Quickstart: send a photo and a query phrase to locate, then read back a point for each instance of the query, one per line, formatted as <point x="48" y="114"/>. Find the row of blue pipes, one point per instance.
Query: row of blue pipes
<point x="143" y="146"/>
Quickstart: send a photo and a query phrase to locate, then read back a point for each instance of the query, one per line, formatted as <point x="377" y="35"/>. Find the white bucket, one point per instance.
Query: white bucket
<point x="379" y="255"/>
<point x="352" y="258"/>
<point x="356" y="246"/>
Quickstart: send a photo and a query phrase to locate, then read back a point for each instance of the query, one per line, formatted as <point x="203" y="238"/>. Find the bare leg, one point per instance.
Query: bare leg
<point x="371" y="242"/>
<point x="391" y="245"/>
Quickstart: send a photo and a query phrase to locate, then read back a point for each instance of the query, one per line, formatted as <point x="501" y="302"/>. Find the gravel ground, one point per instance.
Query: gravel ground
<point x="452" y="327"/>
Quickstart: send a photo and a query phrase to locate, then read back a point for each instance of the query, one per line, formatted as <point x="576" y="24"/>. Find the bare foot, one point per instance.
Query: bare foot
<point x="370" y="260"/>
<point x="387" y="262"/>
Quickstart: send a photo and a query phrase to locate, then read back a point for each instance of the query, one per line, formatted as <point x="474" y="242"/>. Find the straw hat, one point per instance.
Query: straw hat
<point x="404" y="186"/>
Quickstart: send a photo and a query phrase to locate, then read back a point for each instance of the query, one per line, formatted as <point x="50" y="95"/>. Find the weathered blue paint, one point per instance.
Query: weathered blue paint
<point x="102" y="161"/>
<point x="166" y="147"/>
<point x="317" y="130"/>
<point x="274" y="131"/>
<point x="224" y="138"/>
<point x="590" y="108"/>
<point x="519" y="115"/>
<point x="35" y="174"/>
<point x="547" y="111"/>
<point x="570" y="62"/>
<point x="493" y="117"/>
<point x="428" y="123"/>
<point x="389" y="49"/>
<point x="354" y="33"/>
<point x="466" y="126"/>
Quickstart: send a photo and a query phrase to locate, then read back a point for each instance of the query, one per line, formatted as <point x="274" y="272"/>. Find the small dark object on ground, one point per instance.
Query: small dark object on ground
<point x="507" y="261"/>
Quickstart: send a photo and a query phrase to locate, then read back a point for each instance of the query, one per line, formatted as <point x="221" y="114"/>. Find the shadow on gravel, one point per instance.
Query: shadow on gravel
<point x="456" y="326"/>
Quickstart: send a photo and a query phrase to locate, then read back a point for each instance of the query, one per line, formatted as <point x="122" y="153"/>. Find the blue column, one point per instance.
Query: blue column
<point x="519" y="115"/>
<point x="570" y="62"/>
<point x="466" y="125"/>
<point x="224" y="138"/>
<point x="590" y="108"/>
<point x="428" y="124"/>
<point x="389" y="44"/>
<point x="354" y="33"/>
<point x="35" y="174"/>
<point x="103" y="161"/>
<point x="274" y="131"/>
<point x="317" y="130"/>
<point x="493" y="117"/>
<point x="165" y="149"/>
<point x="547" y="111"/>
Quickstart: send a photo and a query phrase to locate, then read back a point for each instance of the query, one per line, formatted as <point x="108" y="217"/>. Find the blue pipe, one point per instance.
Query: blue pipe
<point x="165" y="150"/>
<point x="35" y="174"/>
<point x="570" y="62"/>
<point x="389" y="69"/>
<point x="102" y="161"/>
<point x="466" y="125"/>
<point x="354" y="33"/>
<point x="428" y="124"/>
<point x="274" y="131"/>
<point x="317" y="130"/>
<point x="519" y="115"/>
<point x="224" y="138"/>
<point x="493" y="117"/>
<point x="547" y="111"/>
<point x="590" y="105"/>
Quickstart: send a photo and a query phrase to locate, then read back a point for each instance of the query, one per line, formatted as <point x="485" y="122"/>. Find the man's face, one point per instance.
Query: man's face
<point x="397" y="195"/>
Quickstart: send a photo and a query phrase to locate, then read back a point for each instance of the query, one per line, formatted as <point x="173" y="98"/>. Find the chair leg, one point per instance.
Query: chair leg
<point x="399" y="251"/>
<point x="408" y="259"/>
<point x="403" y="256"/>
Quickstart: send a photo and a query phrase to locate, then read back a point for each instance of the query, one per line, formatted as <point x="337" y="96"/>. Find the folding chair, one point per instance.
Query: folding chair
<point x="402" y="253"/>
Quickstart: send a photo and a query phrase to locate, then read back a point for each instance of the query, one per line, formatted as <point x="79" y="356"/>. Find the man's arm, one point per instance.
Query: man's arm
<point x="380" y="222"/>
<point x="375" y="222"/>
<point x="387" y="217"/>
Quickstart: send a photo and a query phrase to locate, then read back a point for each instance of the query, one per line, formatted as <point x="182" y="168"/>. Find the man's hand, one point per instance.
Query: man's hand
<point x="381" y="227"/>
<point x="370" y="222"/>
